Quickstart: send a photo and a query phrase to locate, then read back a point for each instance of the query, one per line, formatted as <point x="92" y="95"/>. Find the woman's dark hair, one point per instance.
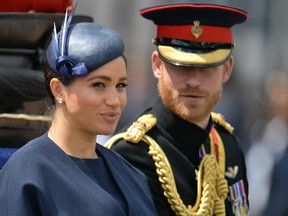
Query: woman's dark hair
<point x="48" y="75"/>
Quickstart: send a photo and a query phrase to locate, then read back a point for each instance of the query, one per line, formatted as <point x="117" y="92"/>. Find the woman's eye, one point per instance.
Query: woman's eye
<point x="99" y="85"/>
<point x="122" y="85"/>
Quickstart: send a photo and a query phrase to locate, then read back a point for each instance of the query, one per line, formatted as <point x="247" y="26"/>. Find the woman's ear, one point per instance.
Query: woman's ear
<point x="156" y="64"/>
<point x="56" y="88"/>
<point x="228" y="67"/>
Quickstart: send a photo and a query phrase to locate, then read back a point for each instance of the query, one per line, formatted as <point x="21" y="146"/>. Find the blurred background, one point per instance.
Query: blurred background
<point x="254" y="102"/>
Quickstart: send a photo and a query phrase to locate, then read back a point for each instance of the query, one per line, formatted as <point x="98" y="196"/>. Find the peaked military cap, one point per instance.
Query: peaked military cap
<point x="195" y="35"/>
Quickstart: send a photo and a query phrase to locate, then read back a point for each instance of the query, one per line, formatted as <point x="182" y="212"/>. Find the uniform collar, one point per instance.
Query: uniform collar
<point x="185" y="132"/>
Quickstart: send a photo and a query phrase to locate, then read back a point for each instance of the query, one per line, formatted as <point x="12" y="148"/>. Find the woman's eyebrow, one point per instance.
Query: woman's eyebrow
<point x="99" y="77"/>
<point x="106" y="78"/>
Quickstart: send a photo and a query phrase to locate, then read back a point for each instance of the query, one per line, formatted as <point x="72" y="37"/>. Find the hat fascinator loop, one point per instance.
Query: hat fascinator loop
<point x="65" y="65"/>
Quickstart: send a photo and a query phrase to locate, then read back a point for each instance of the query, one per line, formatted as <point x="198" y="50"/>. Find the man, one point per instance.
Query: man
<point x="192" y="160"/>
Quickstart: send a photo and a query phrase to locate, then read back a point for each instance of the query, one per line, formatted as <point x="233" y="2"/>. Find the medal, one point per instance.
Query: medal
<point x="238" y="199"/>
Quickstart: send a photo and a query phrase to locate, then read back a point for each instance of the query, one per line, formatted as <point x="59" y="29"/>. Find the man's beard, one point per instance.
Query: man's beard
<point x="189" y="111"/>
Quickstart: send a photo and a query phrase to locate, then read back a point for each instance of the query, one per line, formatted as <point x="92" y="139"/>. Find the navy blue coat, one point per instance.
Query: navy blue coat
<point x="41" y="180"/>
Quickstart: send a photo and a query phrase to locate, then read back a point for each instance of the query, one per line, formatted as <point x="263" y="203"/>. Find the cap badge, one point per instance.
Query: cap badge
<point x="196" y="29"/>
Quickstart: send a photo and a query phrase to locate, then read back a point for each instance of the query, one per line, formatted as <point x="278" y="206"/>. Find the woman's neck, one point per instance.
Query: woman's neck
<point x="73" y="143"/>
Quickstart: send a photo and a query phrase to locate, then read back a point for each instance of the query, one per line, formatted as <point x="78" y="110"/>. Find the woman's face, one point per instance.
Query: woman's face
<point x="93" y="104"/>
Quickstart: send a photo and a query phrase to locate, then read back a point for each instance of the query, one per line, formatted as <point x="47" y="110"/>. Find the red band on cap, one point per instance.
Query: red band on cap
<point x="212" y="34"/>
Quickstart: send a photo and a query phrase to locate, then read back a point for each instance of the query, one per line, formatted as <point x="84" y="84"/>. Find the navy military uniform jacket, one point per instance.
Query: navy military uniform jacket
<point x="40" y="179"/>
<point x="181" y="141"/>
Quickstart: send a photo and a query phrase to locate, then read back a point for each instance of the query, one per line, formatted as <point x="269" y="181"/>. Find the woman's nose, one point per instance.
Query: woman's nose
<point x="113" y="98"/>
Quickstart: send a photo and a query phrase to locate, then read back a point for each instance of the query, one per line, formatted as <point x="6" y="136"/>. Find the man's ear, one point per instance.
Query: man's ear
<point x="228" y="68"/>
<point x="57" y="88"/>
<point x="156" y="64"/>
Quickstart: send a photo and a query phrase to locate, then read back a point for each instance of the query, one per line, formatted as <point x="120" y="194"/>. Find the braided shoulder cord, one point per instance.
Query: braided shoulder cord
<point x="211" y="185"/>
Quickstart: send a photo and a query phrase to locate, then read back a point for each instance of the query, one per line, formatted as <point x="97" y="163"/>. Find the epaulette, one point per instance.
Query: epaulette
<point x="145" y="122"/>
<point x="138" y="129"/>
<point x="219" y="119"/>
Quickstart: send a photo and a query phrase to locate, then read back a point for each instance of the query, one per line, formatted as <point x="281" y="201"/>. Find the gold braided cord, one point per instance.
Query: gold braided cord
<point x="114" y="139"/>
<point x="219" y="119"/>
<point x="139" y="128"/>
<point x="25" y="117"/>
<point x="211" y="184"/>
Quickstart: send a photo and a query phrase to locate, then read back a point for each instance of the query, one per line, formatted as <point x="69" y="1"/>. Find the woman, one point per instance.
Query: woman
<point x="61" y="173"/>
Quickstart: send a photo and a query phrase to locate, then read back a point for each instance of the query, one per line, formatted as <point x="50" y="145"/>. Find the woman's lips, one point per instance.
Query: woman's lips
<point x="110" y="116"/>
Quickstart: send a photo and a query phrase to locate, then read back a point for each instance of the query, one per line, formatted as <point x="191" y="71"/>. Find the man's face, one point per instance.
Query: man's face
<point x="191" y="93"/>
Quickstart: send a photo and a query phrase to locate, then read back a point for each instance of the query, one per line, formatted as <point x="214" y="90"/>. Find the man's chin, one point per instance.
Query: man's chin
<point x="191" y="113"/>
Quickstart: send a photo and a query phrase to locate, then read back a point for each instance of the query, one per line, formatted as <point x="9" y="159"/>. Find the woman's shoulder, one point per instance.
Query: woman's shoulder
<point x="35" y="145"/>
<point x="27" y="155"/>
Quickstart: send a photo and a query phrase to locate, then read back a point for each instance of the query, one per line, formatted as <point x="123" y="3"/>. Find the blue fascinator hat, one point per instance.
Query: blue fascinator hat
<point x="80" y="48"/>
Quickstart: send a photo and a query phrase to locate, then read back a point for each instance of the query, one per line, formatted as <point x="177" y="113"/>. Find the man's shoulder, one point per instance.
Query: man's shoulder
<point x="225" y="130"/>
<point x="135" y="132"/>
<point x="220" y="122"/>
